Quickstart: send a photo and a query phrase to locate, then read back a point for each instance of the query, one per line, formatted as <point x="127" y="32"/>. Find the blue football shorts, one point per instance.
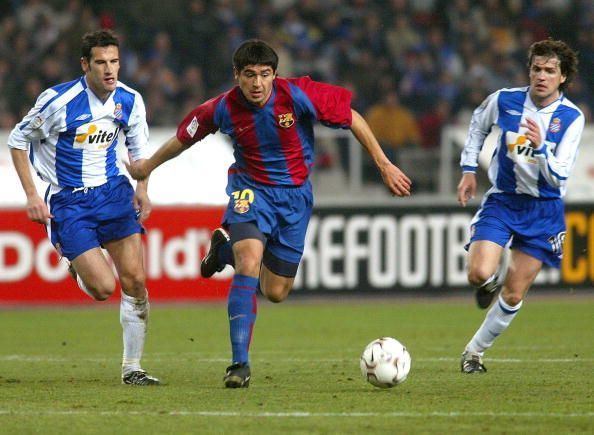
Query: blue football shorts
<point x="86" y="218"/>
<point x="280" y="213"/>
<point x="536" y="226"/>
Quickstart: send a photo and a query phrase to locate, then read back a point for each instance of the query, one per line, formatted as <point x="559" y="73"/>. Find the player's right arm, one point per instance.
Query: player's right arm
<point x="34" y="126"/>
<point x="37" y="209"/>
<point x="483" y="118"/>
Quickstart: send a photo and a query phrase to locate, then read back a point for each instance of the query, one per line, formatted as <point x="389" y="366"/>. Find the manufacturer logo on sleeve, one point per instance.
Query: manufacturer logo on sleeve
<point x="192" y="127"/>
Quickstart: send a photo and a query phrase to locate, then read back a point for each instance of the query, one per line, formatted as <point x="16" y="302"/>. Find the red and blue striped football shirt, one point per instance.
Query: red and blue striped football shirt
<point x="273" y="144"/>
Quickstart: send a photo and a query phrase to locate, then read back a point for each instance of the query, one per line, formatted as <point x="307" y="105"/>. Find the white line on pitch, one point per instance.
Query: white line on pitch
<point x="297" y="414"/>
<point x="198" y="359"/>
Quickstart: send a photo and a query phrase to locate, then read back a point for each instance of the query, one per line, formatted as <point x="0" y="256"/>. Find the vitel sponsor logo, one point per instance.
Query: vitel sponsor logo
<point x="519" y="147"/>
<point x="96" y="136"/>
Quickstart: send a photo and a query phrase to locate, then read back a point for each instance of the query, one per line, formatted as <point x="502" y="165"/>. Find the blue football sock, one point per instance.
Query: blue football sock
<point x="242" y="310"/>
<point x="225" y="254"/>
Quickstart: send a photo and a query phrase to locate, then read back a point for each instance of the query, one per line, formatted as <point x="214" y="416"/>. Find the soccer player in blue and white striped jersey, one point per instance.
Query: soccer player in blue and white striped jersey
<point x="70" y="138"/>
<point x="536" y="150"/>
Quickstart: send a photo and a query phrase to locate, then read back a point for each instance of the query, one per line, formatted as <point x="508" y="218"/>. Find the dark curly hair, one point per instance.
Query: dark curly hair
<point x="550" y="48"/>
<point x="254" y="52"/>
<point x="99" y="38"/>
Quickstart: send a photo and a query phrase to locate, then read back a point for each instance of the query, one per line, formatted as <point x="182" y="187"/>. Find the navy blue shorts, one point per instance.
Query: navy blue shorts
<point x="535" y="226"/>
<point x="85" y="219"/>
<point x="281" y="213"/>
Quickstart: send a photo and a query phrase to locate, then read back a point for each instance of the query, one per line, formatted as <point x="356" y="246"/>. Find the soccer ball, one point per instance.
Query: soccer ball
<point x="385" y="362"/>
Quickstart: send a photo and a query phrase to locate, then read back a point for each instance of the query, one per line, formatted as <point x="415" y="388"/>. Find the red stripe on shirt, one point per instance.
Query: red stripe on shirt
<point x="290" y="141"/>
<point x="246" y="138"/>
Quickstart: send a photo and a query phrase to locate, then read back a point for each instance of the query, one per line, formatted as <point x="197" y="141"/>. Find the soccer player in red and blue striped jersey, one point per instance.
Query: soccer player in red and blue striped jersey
<point x="270" y="121"/>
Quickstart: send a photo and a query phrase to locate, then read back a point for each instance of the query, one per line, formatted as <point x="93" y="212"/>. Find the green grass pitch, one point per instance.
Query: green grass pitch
<point x="59" y="370"/>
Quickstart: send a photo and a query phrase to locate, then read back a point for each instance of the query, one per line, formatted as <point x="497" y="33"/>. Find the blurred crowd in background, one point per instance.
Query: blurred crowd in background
<point x="413" y="65"/>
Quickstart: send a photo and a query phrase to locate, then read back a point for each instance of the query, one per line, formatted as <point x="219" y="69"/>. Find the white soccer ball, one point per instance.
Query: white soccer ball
<point x="385" y="362"/>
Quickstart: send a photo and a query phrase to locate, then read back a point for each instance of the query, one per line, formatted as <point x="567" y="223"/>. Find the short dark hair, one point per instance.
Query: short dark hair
<point x="99" y="38"/>
<point x="254" y="52"/>
<point x="549" y="48"/>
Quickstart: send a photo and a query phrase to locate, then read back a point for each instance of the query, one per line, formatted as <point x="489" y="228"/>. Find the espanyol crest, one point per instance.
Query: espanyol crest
<point x="117" y="112"/>
<point x="286" y="120"/>
<point x="555" y="125"/>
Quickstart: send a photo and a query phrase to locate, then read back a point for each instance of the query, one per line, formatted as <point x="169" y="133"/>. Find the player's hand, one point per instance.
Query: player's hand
<point x="466" y="188"/>
<point x="139" y="170"/>
<point x="532" y="133"/>
<point x="395" y="180"/>
<point x="37" y="210"/>
<point x="142" y="204"/>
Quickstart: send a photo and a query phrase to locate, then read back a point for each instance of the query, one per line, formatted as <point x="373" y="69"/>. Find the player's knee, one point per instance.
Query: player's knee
<point x="511" y="299"/>
<point x="102" y="290"/>
<point x="277" y="294"/>
<point x="247" y="265"/>
<point x="133" y="284"/>
<point x="478" y="275"/>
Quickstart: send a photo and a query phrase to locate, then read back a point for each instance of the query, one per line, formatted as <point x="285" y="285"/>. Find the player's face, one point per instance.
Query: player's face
<point x="255" y="82"/>
<point x="545" y="79"/>
<point x="101" y="70"/>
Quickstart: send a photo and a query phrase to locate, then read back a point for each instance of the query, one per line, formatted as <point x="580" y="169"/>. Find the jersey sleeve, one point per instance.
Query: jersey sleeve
<point x="199" y="123"/>
<point x="36" y="125"/>
<point x="556" y="167"/>
<point x="332" y="103"/>
<point x="137" y="133"/>
<point x="483" y="118"/>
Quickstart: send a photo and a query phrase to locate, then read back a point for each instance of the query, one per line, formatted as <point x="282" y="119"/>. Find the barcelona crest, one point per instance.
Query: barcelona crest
<point x="241" y="206"/>
<point x="286" y="120"/>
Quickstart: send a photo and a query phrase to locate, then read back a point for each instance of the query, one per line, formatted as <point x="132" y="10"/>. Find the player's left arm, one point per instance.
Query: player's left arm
<point x="396" y="181"/>
<point x="142" y="203"/>
<point x="137" y="139"/>
<point x="556" y="167"/>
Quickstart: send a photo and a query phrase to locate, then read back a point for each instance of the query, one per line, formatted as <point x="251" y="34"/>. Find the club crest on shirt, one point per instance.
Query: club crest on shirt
<point x="555" y="125"/>
<point x="241" y="206"/>
<point x="117" y="112"/>
<point x="286" y="120"/>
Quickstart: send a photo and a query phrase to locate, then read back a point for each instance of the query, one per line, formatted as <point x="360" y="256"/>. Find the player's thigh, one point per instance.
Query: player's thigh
<point x="275" y="287"/>
<point x="127" y="256"/>
<point x="483" y="259"/>
<point x="522" y="272"/>
<point x="96" y="272"/>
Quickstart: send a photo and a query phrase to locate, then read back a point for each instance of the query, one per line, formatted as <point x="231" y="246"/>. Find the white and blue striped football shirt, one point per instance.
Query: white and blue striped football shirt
<point x="72" y="135"/>
<point x="515" y="166"/>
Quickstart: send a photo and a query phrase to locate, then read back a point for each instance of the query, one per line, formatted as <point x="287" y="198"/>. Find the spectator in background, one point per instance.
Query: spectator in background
<point x="479" y="44"/>
<point x="432" y="123"/>
<point x="394" y="126"/>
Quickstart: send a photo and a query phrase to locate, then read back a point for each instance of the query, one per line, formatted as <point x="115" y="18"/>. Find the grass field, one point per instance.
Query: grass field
<point x="59" y="370"/>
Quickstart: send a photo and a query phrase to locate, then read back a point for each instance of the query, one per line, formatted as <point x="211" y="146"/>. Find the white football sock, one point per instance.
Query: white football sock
<point x="134" y="315"/>
<point x="497" y="320"/>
